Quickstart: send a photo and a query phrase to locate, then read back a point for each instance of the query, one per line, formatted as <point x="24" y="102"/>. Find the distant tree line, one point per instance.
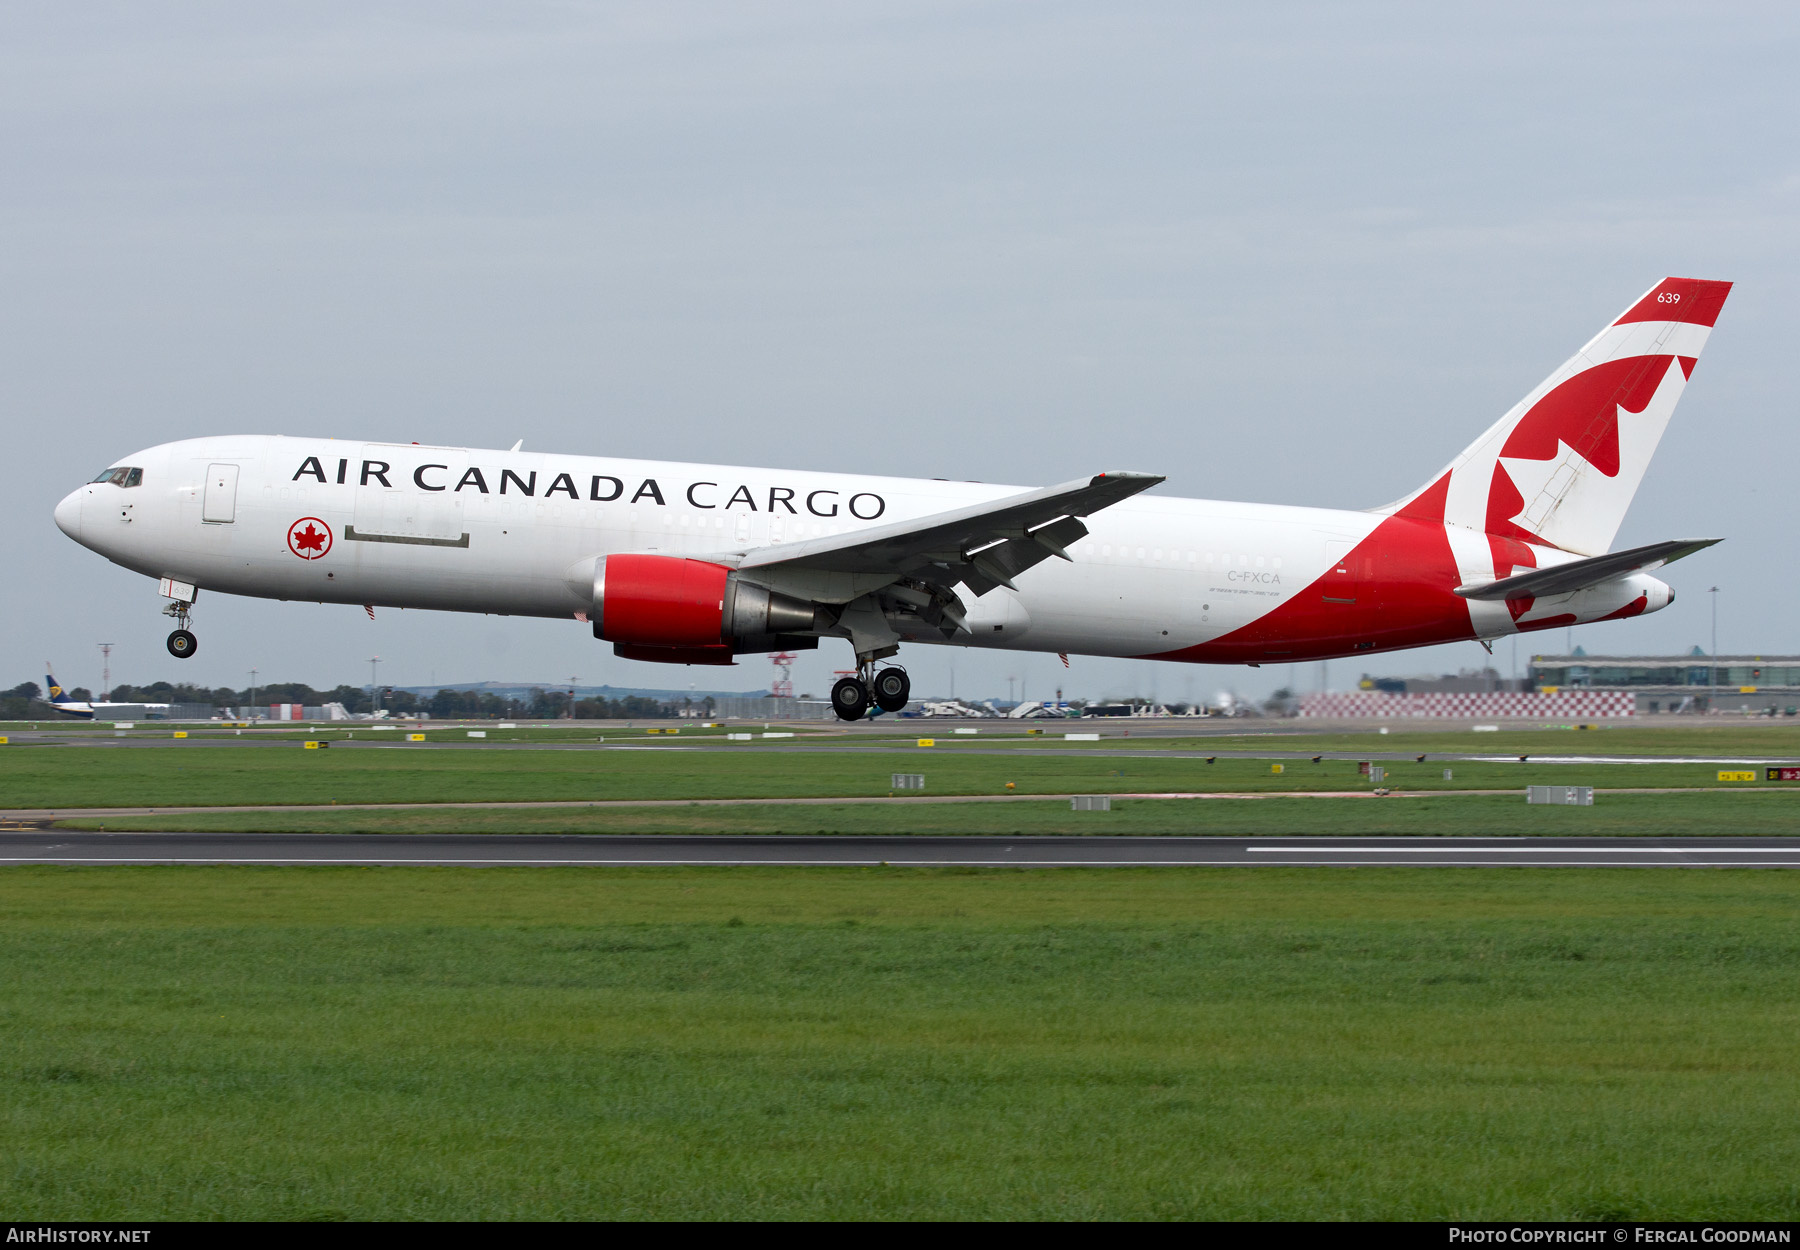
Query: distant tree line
<point x="26" y="701"/>
<point x="22" y="701"/>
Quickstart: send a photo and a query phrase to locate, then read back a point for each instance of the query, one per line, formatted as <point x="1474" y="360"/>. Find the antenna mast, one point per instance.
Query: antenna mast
<point x="105" y="670"/>
<point x="783" y="688"/>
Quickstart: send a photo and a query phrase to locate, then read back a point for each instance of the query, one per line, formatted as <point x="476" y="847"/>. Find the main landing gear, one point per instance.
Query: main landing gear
<point x="182" y="643"/>
<point x="889" y="690"/>
<point x="893" y="688"/>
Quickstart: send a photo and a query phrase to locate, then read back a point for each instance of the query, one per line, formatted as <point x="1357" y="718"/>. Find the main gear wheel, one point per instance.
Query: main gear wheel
<point x="850" y="698"/>
<point x="893" y="689"/>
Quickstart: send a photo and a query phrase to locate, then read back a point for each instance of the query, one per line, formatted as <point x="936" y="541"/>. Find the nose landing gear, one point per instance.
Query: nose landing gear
<point x="182" y="643"/>
<point x="889" y="690"/>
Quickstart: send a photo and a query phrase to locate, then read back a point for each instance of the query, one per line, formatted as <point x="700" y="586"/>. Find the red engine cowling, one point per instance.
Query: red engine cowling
<point x="679" y="611"/>
<point x="720" y="654"/>
<point x="659" y="601"/>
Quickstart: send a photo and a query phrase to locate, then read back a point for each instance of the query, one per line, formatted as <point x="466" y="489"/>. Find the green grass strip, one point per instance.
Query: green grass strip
<point x="191" y="774"/>
<point x="1613" y="815"/>
<point x="890" y="1043"/>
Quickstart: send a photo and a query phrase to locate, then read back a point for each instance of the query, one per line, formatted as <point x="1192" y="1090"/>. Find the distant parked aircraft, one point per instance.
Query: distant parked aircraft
<point x="61" y="702"/>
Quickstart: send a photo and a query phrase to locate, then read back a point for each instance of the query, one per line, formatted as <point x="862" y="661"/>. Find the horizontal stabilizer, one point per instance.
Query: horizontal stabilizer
<point x="1562" y="579"/>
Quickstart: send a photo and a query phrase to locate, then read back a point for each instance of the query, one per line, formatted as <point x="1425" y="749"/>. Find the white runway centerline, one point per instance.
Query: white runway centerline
<point x="1508" y="850"/>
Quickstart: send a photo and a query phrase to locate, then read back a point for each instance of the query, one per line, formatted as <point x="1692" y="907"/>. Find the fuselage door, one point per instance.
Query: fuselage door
<point x="220" y="505"/>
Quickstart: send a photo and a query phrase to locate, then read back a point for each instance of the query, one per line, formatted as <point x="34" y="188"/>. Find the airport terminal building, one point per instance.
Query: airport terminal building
<point x="1582" y="687"/>
<point x="1695" y="682"/>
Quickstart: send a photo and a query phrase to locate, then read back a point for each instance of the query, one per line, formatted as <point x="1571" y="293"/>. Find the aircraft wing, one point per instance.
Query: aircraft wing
<point x="983" y="545"/>
<point x="1562" y="579"/>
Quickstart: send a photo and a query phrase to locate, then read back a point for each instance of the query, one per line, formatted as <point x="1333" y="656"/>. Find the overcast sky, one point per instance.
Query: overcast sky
<point x="1285" y="253"/>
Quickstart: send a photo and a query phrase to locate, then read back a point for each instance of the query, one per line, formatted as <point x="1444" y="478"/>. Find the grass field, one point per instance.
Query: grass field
<point x="184" y="774"/>
<point x="1750" y="814"/>
<point x="444" y="1043"/>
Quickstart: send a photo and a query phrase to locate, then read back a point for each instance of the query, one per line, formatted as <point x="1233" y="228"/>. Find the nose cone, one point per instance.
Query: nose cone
<point x="68" y="513"/>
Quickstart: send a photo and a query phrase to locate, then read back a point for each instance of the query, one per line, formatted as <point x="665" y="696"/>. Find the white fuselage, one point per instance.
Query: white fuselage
<point x="516" y="533"/>
<point x="87" y="711"/>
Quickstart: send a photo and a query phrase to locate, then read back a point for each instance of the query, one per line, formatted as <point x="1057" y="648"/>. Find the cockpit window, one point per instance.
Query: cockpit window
<point x="122" y="477"/>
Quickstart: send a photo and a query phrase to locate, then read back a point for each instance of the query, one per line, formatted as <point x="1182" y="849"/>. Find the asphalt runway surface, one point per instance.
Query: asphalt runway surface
<point x="530" y="850"/>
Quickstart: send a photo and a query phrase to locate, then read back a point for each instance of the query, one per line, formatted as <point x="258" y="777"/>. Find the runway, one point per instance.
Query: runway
<point x="568" y="850"/>
<point x="1143" y="747"/>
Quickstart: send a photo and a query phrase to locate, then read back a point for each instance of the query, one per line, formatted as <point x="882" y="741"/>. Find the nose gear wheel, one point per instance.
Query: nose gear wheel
<point x="182" y="644"/>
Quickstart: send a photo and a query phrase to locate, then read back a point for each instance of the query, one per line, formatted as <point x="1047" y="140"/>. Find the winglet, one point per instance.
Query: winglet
<point x="1109" y="488"/>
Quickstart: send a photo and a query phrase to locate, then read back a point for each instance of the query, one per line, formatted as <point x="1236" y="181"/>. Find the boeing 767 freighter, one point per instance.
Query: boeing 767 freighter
<point x="698" y="563"/>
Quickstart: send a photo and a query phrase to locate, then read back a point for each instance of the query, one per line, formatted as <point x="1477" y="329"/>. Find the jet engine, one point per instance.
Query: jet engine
<point x="684" y="611"/>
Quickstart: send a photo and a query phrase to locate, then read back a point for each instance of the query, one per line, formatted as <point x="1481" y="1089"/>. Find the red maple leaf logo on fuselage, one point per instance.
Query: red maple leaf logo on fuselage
<point x="309" y="538"/>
